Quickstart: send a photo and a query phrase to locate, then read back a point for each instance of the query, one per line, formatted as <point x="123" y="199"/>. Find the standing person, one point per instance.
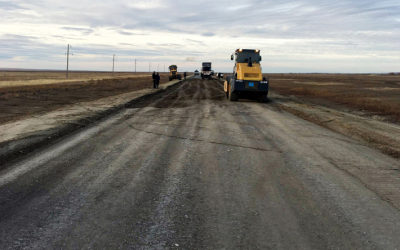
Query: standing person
<point x="184" y="75"/>
<point x="157" y="80"/>
<point x="154" y="79"/>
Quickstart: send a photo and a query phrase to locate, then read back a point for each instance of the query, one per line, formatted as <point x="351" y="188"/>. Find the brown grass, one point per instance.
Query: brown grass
<point x="37" y="75"/>
<point x="374" y="94"/>
<point x="21" y="100"/>
<point x="16" y="78"/>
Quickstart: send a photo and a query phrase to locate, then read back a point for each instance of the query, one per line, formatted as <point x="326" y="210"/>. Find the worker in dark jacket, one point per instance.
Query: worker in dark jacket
<point x="157" y="80"/>
<point x="184" y="75"/>
<point x="154" y="79"/>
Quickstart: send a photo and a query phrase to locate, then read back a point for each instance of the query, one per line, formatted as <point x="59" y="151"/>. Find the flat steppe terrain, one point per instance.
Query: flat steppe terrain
<point x="25" y="94"/>
<point x="18" y="78"/>
<point x="361" y="94"/>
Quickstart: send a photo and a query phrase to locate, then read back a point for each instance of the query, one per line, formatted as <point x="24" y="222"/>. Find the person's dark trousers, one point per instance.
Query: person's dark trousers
<point x="157" y="83"/>
<point x="154" y="83"/>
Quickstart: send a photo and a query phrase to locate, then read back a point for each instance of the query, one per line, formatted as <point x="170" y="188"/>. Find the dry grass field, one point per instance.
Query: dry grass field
<point x="370" y="95"/>
<point x="19" y="100"/>
<point x="18" y="78"/>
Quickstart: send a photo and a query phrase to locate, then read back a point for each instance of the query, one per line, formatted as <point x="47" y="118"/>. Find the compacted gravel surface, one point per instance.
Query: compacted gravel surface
<point x="187" y="169"/>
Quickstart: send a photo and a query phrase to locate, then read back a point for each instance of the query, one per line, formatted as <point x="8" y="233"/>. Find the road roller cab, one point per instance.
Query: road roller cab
<point x="247" y="80"/>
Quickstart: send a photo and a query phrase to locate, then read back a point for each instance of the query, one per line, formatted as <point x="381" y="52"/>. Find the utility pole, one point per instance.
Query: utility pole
<point x="113" y="64"/>
<point x="158" y="68"/>
<point x="149" y="66"/>
<point x="135" y="65"/>
<point x="69" y="46"/>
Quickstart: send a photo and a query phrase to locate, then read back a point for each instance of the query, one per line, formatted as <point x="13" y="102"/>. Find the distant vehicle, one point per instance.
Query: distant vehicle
<point x="206" y="70"/>
<point x="196" y="72"/>
<point x="173" y="69"/>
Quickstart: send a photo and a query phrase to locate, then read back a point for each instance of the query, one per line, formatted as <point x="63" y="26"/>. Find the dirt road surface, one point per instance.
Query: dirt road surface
<point x="187" y="169"/>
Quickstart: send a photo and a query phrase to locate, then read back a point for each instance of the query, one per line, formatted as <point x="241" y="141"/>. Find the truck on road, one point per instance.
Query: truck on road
<point x="247" y="80"/>
<point x="206" y="71"/>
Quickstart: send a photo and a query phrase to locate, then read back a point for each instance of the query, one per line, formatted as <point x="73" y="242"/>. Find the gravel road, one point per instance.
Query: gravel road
<point x="187" y="169"/>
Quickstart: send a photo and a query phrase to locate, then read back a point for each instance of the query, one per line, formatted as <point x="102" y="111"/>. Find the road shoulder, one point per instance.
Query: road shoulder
<point x="23" y="136"/>
<point x="374" y="133"/>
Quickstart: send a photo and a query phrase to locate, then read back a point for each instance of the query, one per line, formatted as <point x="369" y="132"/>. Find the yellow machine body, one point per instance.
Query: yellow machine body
<point x="248" y="73"/>
<point x="173" y="73"/>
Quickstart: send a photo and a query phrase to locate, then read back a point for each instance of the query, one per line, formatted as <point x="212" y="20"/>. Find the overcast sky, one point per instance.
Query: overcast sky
<point x="294" y="36"/>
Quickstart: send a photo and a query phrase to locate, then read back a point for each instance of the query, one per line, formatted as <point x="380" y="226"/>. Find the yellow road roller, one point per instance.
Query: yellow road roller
<point x="247" y="81"/>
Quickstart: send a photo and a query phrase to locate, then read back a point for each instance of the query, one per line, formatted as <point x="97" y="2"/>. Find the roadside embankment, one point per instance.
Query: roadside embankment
<point x="24" y="135"/>
<point x="377" y="134"/>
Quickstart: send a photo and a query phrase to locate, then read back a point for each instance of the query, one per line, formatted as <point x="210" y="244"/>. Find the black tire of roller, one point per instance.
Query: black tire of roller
<point x="233" y="97"/>
<point x="263" y="98"/>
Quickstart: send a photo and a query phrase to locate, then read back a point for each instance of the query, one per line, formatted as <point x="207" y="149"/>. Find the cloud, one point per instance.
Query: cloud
<point x="197" y="42"/>
<point x="130" y="33"/>
<point x="126" y="33"/>
<point x="27" y="47"/>
<point x="190" y="59"/>
<point x="164" y="44"/>
<point x="208" y="34"/>
<point x="10" y="6"/>
<point x="85" y="31"/>
<point x="129" y="44"/>
<point x="238" y="7"/>
<point x="176" y="29"/>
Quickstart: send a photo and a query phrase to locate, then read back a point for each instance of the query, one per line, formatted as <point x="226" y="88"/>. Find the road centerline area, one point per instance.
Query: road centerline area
<point x="187" y="169"/>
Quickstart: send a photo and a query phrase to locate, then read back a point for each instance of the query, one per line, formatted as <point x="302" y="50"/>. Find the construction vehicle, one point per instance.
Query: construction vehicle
<point x="247" y="80"/>
<point x="206" y="70"/>
<point x="173" y="69"/>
